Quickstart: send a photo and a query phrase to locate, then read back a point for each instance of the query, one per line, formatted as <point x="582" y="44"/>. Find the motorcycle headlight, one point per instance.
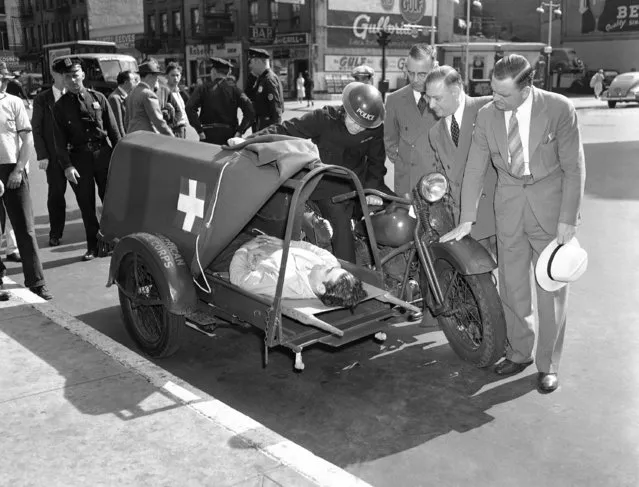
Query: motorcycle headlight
<point x="433" y="187"/>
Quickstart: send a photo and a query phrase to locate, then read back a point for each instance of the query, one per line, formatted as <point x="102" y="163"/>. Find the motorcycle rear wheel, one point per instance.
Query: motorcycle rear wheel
<point x="474" y="323"/>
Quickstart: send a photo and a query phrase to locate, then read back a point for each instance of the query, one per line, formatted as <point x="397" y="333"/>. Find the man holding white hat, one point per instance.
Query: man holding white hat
<point x="532" y="138"/>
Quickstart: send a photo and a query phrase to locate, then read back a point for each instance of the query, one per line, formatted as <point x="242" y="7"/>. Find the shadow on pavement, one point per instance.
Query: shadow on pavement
<point x="93" y="383"/>
<point x="350" y="405"/>
<point x="612" y="171"/>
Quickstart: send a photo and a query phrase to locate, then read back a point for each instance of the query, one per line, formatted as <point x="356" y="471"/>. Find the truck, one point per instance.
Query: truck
<point x="101" y="62"/>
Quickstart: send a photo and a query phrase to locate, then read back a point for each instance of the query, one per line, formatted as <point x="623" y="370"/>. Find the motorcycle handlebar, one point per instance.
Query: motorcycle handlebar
<point x="387" y="197"/>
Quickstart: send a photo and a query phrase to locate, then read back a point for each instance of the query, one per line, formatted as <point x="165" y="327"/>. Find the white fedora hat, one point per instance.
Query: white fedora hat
<point x="560" y="264"/>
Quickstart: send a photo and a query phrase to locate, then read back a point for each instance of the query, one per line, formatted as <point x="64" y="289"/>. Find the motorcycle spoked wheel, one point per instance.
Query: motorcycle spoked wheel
<point x="153" y="328"/>
<point x="474" y="324"/>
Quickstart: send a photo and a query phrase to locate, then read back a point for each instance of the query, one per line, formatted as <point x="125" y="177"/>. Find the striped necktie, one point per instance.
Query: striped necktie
<point x="421" y="104"/>
<point x="454" y="130"/>
<point x="515" y="147"/>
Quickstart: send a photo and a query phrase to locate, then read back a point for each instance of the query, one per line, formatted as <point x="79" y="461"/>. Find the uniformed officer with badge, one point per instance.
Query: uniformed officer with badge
<point x="268" y="96"/>
<point x="85" y="133"/>
<point x="218" y="100"/>
<point x="364" y="74"/>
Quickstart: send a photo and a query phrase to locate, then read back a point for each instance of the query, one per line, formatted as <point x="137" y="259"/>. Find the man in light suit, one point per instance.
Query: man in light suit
<point x="408" y="121"/>
<point x="143" y="110"/>
<point x="451" y="138"/>
<point x="532" y="137"/>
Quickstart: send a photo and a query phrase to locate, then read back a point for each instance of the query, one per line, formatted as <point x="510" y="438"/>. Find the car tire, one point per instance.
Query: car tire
<point x="612" y="104"/>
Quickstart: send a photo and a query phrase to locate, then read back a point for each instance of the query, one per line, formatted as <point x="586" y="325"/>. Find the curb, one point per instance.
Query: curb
<point x="259" y="437"/>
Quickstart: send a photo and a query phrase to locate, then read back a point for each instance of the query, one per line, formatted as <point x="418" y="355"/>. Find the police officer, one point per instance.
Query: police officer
<point x="352" y="136"/>
<point x="218" y="100"/>
<point x="85" y="133"/>
<point x="363" y="74"/>
<point x="268" y="95"/>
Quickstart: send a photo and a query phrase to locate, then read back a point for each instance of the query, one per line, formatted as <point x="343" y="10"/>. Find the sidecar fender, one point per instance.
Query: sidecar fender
<point x="467" y="255"/>
<point x="170" y="271"/>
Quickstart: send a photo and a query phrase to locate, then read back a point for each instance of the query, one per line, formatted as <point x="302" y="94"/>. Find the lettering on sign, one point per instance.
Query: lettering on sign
<point x="294" y="39"/>
<point x="261" y="34"/>
<point x="345" y="64"/>
<point x="412" y="10"/>
<point x="363" y="26"/>
<point x="364" y="115"/>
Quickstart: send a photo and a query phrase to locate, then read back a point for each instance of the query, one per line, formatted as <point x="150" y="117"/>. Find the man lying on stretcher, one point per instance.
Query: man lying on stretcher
<point x="310" y="272"/>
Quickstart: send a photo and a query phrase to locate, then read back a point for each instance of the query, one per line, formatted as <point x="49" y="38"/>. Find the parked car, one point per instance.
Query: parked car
<point x="582" y="85"/>
<point x="565" y="60"/>
<point x="624" y="88"/>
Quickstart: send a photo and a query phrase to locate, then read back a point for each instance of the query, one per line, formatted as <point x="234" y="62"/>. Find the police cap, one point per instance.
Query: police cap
<point x="258" y="53"/>
<point x="219" y="63"/>
<point x="149" y="67"/>
<point x="66" y="65"/>
<point x="363" y="72"/>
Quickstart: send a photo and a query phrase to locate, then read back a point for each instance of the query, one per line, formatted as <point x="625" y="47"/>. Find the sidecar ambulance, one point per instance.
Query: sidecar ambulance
<point x="175" y="212"/>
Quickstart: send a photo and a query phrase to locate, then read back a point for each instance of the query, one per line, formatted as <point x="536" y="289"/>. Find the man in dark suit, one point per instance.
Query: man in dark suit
<point x="532" y="138"/>
<point x="451" y="138"/>
<point x="408" y="121"/>
<point x="127" y="80"/>
<point x="43" y="138"/>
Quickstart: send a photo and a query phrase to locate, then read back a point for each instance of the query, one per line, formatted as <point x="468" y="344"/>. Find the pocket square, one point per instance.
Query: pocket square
<point x="549" y="138"/>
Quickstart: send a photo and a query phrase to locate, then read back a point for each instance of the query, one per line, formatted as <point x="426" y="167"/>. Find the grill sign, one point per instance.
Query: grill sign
<point x="412" y="10"/>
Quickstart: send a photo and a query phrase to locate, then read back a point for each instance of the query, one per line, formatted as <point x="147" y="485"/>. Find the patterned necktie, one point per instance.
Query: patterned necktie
<point x="515" y="147"/>
<point x="421" y="104"/>
<point x="454" y="130"/>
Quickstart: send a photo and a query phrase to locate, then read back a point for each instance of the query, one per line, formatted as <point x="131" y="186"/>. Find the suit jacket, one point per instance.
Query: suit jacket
<point x="452" y="160"/>
<point x="406" y="139"/>
<point x="43" y="125"/>
<point x="117" y="100"/>
<point x="144" y="112"/>
<point x="556" y="165"/>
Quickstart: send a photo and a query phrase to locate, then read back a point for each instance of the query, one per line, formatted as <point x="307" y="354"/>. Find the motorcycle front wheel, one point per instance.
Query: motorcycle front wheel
<point x="474" y="322"/>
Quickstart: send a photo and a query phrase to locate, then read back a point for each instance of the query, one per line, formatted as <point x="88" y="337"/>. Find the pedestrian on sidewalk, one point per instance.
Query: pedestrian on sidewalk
<point x="85" y="134"/>
<point x="596" y="83"/>
<point x="301" y="92"/>
<point x="11" y="245"/>
<point x="309" y="84"/>
<point x="16" y="144"/>
<point x="127" y="80"/>
<point x="43" y="138"/>
<point x="143" y="107"/>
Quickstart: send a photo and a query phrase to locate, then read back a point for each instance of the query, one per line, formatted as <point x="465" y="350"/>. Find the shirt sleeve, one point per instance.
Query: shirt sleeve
<point x="22" y="118"/>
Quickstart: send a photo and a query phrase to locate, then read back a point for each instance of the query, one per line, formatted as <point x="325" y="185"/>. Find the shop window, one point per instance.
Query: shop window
<point x="274" y="6"/>
<point x="477" y="71"/>
<point x="84" y="28"/>
<point x="195" y="21"/>
<point x="164" y="23"/>
<point x="150" y="22"/>
<point x="254" y="11"/>
<point x="177" y="23"/>
<point x="76" y="28"/>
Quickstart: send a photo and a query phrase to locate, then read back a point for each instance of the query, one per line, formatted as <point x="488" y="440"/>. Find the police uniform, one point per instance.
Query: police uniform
<point x="85" y="131"/>
<point x="218" y="101"/>
<point x="268" y="95"/>
<point x="363" y="153"/>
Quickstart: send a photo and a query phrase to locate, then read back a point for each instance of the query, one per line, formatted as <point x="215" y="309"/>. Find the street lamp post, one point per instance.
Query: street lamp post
<point x="383" y="38"/>
<point x="553" y="8"/>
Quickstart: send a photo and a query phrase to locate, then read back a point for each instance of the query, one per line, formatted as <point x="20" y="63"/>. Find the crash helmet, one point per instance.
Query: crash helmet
<point x="363" y="73"/>
<point x="364" y="104"/>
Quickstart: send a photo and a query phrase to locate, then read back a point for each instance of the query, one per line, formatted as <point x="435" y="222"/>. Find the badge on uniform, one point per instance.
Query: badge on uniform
<point x="96" y="105"/>
<point x="270" y="97"/>
<point x="260" y="89"/>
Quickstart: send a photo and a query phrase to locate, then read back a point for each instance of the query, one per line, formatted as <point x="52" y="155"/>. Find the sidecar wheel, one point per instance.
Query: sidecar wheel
<point x="474" y="324"/>
<point x="153" y="328"/>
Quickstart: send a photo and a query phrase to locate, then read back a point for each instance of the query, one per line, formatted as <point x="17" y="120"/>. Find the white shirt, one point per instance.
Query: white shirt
<point x="418" y="95"/>
<point x="13" y="120"/>
<point x="524" y="114"/>
<point x="459" y="113"/>
<point x="57" y="93"/>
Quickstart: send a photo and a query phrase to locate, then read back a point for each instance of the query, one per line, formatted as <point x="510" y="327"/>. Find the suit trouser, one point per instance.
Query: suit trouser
<point x="19" y="208"/>
<point x="517" y="251"/>
<point x="56" y="204"/>
<point x="339" y="215"/>
<point x="94" y="169"/>
<point x="9" y="238"/>
<point x="218" y="135"/>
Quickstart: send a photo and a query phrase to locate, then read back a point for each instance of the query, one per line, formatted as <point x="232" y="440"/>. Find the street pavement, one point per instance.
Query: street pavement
<point x="409" y="412"/>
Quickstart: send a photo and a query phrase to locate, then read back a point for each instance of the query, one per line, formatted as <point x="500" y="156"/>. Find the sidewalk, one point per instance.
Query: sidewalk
<point x="79" y="409"/>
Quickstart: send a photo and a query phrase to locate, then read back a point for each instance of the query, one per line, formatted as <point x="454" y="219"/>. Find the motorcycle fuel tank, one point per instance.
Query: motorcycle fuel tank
<point x="393" y="227"/>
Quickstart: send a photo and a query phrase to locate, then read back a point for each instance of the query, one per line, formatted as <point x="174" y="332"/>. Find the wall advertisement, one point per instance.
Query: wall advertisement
<point x="353" y="23"/>
<point x="594" y="19"/>
<point x="346" y="63"/>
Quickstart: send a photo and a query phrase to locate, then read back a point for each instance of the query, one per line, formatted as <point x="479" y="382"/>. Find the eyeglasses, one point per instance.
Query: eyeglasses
<point x="421" y="74"/>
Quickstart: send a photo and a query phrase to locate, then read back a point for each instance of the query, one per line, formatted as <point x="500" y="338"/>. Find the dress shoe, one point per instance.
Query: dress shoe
<point x="54" y="241"/>
<point x="14" y="257"/>
<point x="547" y="382"/>
<point x="90" y="255"/>
<point x="43" y="292"/>
<point x="508" y="367"/>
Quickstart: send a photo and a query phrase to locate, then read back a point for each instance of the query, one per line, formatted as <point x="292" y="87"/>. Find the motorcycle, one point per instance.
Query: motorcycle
<point x="453" y="280"/>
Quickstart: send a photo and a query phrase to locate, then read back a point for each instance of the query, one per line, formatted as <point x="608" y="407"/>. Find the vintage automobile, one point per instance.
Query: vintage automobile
<point x="624" y="88"/>
<point x="176" y="211"/>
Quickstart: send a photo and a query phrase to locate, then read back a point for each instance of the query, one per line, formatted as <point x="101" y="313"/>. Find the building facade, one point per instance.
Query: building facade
<point x="118" y="21"/>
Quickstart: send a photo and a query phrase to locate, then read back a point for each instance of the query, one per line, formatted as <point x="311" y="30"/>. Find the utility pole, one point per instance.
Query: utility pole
<point x="383" y="39"/>
<point x="553" y="8"/>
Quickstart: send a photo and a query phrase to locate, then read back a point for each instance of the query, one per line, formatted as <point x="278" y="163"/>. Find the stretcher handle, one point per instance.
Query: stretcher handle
<point x="352" y="194"/>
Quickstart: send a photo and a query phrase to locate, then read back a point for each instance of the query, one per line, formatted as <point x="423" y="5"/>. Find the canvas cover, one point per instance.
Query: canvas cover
<point x="192" y="191"/>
